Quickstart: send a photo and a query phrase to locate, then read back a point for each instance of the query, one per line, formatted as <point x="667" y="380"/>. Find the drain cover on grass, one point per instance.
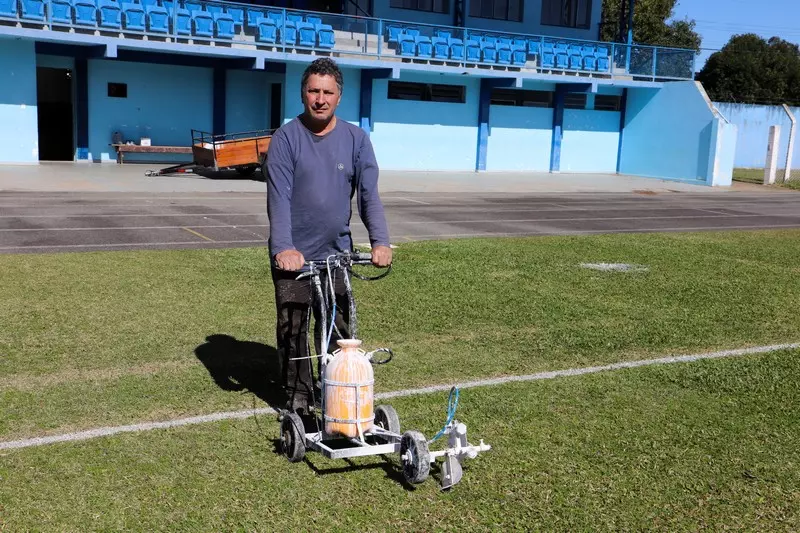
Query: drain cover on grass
<point x="615" y="267"/>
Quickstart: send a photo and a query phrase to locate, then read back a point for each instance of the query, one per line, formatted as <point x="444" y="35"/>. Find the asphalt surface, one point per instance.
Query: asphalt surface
<point x="35" y="222"/>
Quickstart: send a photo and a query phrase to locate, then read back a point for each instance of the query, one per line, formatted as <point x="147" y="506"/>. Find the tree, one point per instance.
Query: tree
<point x="650" y="24"/>
<point x="751" y="69"/>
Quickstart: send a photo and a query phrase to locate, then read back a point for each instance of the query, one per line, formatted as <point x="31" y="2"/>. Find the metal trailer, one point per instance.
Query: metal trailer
<point x="245" y="152"/>
<point x="385" y="437"/>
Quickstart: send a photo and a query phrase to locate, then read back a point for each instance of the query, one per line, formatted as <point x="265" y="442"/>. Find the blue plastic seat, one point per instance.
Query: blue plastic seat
<point x="424" y="46"/>
<point x="277" y="16"/>
<point x="223" y="25"/>
<point x="61" y="9"/>
<point x="445" y="34"/>
<point x="575" y="56"/>
<point x="253" y="16"/>
<point x="307" y="34"/>
<point x="146" y="3"/>
<point x="314" y="19"/>
<point x="407" y="46"/>
<point x="237" y="14"/>
<point x="548" y="59"/>
<point x="267" y="31"/>
<point x="288" y="32"/>
<point x="183" y="20"/>
<point x="203" y="23"/>
<point x="191" y="7"/>
<point x="393" y="31"/>
<point x="503" y="53"/>
<point x="488" y="52"/>
<point x="157" y="19"/>
<point x="133" y="16"/>
<point x="32" y="10"/>
<point x="412" y="31"/>
<point x="456" y="48"/>
<point x="214" y="8"/>
<point x="519" y="54"/>
<point x="294" y="17"/>
<point x="603" y="62"/>
<point x="8" y="8"/>
<point x="85" y="13"/>
<point x="473" y="51"/>
<point x="110" y="14"/>
<point x="441" y="48"/>
<point x="325" y="36"/>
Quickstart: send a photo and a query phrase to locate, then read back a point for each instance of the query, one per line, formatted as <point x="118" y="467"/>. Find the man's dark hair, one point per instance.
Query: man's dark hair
<point x="323" y="66"/>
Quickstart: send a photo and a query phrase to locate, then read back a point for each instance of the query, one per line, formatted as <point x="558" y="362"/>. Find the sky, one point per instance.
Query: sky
<point x="718" y="20"/>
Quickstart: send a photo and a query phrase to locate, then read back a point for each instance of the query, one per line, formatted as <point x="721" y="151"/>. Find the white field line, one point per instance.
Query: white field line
<point x="229" y="415"/>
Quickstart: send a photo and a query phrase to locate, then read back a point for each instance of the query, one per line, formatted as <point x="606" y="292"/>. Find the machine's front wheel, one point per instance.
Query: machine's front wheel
<point x="293" y="437"/>
<point x="415" y="457"/>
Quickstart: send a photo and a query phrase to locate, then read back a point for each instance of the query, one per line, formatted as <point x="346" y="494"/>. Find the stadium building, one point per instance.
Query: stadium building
<point x="449" y="85"/>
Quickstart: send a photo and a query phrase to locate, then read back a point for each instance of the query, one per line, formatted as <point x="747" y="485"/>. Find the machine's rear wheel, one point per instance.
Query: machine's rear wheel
<point x="415" y="457"/>
<point x="386" y="418"/>
<point x="293" y="437"/>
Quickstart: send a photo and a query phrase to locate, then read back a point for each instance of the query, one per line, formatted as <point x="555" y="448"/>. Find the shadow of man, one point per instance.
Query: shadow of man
<point x="244" y="366"/>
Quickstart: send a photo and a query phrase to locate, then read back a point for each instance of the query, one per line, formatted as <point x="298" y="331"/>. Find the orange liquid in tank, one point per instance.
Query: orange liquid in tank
<point x="349" y="377"/>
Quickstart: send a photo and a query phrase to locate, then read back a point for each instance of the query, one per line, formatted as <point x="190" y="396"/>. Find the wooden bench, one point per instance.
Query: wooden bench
<point x="122" y="149"/>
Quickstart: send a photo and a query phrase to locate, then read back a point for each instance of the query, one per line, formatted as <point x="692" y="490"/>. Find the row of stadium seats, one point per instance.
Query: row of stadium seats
<point x="304" y="29"/>
<point x="505" y="50"/>
<point x="192" y="19"/>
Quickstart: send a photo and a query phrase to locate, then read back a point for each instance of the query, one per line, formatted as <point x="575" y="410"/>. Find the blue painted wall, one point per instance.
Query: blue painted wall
<point x="351" y="93"/>
<point x="753" y="123"/>
<point x="412" y="135"/>
<point x="248" y="100"/>
<point x="19" y="137"/>
<point x="591" y="141"/>
<point x="520" y="138"/>
<point x="725" y="154"/>
<point x="531" y="23"/>
<point x="164" y="103"/>
<point x="668" y="133"/>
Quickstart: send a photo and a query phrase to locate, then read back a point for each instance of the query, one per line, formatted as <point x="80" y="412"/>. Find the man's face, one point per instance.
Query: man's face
<point x="321" y="96"/>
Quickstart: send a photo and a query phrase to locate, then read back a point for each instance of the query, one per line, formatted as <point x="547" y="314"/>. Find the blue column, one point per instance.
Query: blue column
<point x="219" y="99"/>
<point x="82" y="108"/>
<point x="483" y="122"/>
<point x="558" y="129"/>
<point x="623" y="108"/>
<point x="365" y="105"/>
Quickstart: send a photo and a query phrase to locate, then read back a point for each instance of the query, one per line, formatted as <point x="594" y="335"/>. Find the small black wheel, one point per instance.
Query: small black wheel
<point x="386" y="418"/>
<point x="293" y="437"/>
<point x="246" y="171"/>
<point x="415" y="457"/>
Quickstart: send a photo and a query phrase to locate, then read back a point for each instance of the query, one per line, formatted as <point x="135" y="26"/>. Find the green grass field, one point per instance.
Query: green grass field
<point x="103" y="339"/>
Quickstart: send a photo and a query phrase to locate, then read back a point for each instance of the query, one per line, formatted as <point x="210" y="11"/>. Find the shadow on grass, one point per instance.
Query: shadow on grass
<point x="243" y="366"/>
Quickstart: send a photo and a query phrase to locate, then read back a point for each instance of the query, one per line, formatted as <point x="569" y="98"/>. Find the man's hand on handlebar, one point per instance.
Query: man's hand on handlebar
<point x="382" y="256"/>
<point x="289" y="260"/>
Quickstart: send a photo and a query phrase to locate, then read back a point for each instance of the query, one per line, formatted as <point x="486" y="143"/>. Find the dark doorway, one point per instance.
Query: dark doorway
<point x="275" y="109"/>
<point x="55" y="117"/>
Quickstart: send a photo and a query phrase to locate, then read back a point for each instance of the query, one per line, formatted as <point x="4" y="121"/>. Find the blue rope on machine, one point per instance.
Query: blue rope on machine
<point x="452" y="404"/>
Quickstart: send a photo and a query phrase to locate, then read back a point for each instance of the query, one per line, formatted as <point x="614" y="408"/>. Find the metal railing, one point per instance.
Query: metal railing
<point x="240" y="25"/>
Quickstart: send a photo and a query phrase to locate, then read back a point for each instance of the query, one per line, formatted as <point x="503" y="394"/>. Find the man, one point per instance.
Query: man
<point x="315" y="164"/>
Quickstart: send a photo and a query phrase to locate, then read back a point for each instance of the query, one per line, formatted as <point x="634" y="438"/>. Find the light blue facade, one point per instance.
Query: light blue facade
<point x="247" y="106"/>
<point x="673" y="133"/>
<point x="591" y="141"/>
<point x="160" y="105"/>
<point x="753" y="123"/>
<point x="425" y="135"/>
<point x="520" y="139"/>
<point x="18" y="113"/>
